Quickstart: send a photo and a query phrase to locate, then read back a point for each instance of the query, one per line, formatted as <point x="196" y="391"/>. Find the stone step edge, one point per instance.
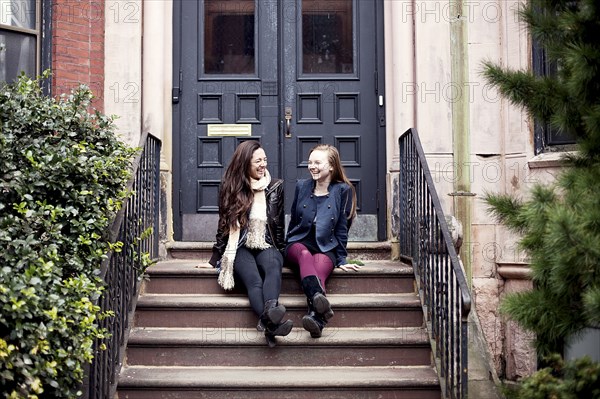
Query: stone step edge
<point x="261" y="378"/>
<point x="207" y="245"/>
<point x="236" y="337"/>
<point x="193" y="267"/>
<point x="220" y="301"/>
<point x="356" y="250"/>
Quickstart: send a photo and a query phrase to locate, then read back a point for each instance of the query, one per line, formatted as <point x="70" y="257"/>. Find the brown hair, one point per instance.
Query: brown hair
<point x="338" y="174"/>
<point x="235" y="194"/>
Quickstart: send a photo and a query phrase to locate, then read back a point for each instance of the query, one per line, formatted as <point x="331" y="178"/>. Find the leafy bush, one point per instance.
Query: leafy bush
<point x="62" y="179"/>
<point x="579" y="378"/>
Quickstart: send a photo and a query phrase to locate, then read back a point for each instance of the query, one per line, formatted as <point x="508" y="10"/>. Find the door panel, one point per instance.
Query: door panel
<point x="228" y="80"/>
<point x="242" y="64"/>
<point x="332" y="94"/>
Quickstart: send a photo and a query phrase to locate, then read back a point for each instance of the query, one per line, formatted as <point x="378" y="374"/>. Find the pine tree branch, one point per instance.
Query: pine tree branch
<point x="539" y="96"/>
<point x="591" y="301"/>
<point x="506" y="210"/>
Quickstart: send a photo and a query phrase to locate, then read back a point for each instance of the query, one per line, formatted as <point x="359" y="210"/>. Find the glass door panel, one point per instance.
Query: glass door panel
<point x="327" y="37"/>
<point x="229" y="37"/>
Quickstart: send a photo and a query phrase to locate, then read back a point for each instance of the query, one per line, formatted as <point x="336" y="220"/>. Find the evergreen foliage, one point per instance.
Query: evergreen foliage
<point x="560" y="223"/>
<point x="63" y="174"/>
<point x="576" y="379"/>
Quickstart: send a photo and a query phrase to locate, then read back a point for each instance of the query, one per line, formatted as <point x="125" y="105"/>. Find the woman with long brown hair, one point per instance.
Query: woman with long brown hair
<point x="250" y="236"/>
<point x="322" y="213"/>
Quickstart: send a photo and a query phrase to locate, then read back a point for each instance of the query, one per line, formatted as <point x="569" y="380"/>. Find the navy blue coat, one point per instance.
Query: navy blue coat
<point x="331" y="217"/>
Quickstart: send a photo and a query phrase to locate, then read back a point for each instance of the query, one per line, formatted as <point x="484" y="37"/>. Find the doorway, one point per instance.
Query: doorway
<point x="289" y="73"/>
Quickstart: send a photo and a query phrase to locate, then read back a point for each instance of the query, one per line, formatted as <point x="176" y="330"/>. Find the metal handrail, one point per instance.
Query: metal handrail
<point x="136" y="227"/>
<point x="426" y="242"/>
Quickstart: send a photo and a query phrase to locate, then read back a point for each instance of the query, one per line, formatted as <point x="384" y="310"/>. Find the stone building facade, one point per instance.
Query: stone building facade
<point x="475" y="141"/>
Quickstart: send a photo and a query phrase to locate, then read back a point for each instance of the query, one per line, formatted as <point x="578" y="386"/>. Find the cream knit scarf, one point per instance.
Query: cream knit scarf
<point x="256" y="231"/>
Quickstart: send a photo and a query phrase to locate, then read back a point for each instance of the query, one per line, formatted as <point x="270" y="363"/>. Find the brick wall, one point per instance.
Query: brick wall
<point x="78" y="47"/>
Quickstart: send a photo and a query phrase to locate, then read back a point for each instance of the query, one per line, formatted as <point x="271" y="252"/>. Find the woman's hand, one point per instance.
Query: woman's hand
<point x="350" y="266"/>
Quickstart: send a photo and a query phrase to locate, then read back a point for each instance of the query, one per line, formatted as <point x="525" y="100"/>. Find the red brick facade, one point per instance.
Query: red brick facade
<point x="78" y="46"/>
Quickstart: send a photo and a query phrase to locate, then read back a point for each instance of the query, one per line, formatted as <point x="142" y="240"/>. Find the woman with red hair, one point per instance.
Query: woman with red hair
<point x="322" y="213"/>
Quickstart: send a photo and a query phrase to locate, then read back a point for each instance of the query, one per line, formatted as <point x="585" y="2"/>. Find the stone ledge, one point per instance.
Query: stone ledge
<point x="196" y="245"/>
<point x="514" y="270"/>
<point x="549" y="160"/>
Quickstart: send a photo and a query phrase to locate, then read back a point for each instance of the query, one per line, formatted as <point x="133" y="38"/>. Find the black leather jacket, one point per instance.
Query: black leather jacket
<point x="275" y="223"/>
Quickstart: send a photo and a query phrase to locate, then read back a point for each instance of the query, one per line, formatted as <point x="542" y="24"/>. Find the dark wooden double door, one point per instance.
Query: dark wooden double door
<point x="289" y="73"/>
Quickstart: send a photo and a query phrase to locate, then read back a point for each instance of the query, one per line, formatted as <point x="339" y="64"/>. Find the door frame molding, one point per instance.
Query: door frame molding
<point x="176" y="139"/>
<point x="382" y="214"/>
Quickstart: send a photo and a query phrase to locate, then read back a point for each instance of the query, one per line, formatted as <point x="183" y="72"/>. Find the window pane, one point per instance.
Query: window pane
<point x="19" y="13"/>
<point x="17" y="53"/>
<point x="556" y="137"/>
<point x="547" y="138"/>
<point x="327" y="31"/>
<point x="229" y="37"/>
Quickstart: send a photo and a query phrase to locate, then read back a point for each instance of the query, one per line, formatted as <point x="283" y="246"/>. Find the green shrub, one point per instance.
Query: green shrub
<point x="62" y="179"/>
<point x="579" y="378"/>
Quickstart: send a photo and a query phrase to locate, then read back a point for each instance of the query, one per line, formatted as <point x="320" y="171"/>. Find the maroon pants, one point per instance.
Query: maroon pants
<point x="317" y="264"/>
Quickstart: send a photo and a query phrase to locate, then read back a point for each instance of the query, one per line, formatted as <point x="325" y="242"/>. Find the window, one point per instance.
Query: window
<point x="20" y="38"/>
<point x="229" y="37"/>
<point x="547" y="138"/>
<point x="327" y="37"/>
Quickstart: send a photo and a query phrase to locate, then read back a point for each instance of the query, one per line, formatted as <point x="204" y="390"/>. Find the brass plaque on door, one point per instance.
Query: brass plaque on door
<point x="233" y="129"/>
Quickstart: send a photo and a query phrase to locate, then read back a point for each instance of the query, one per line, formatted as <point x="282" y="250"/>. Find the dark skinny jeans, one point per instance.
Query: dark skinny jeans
<point x="260" y="272"/>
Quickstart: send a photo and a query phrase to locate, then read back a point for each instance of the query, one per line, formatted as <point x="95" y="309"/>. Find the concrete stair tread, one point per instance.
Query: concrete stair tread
<point x="362" y="250"/>
<point x="232" y="378"/>
<point x="195" y="276"/>
<point x="198" y="267"/>
<point x="373" y="337"/>
<point x="208" y="245"/>
<point x="236" y="301"/>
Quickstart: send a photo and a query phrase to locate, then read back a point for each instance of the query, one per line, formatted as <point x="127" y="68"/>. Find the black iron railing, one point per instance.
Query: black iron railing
<point x="136" y="227"/>
<point x="426" y="242"/>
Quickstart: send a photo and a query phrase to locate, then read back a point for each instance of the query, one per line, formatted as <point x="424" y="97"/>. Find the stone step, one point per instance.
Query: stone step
<point x="356" y="250"/>
<point x="193" y="276"/>
<point x="231" y="347"/>
<point x="414" y="382"/>
<point x="191" y="339"/>
<point x="224" y="310"/>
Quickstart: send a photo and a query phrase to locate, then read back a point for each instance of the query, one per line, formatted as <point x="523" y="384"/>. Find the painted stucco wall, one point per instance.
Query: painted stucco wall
<point x="138" y="81"/>
<point x="157" y="101"/>
<point x="123" y="66"/>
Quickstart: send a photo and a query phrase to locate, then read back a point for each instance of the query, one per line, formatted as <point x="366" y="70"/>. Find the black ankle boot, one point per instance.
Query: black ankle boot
<point x="273" y="330"/>
<point x="314" y="324"/>
<point x="270" y="322"/>
<point x="317" y="301"/>
<point x="272" y="313"/>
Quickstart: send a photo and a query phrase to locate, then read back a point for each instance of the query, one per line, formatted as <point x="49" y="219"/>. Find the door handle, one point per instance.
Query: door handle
<point x="288" y="123"/>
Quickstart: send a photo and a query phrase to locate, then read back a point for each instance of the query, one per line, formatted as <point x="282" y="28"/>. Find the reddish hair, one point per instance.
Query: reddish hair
<point x="338" y="174"/>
